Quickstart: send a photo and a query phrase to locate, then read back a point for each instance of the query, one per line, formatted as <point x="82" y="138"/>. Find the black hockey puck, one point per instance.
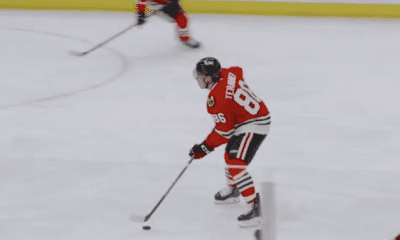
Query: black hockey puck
<point x="146" y="227"/>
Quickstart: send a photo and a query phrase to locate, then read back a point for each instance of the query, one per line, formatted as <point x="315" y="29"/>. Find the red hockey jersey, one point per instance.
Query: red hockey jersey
<point x="141" y="4"/>
<point x="234" y="108"/>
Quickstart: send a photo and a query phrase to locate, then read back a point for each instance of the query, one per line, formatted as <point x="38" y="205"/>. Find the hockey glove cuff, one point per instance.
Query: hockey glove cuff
<point x="200" y="150"/>
<point x="141" y="19"/>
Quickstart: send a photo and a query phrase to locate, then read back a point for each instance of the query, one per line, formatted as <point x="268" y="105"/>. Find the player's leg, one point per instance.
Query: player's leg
<point x="175" y="11"/>
<point x="234" y="172"/>
<point x="182" y="22"/>
<point x="240" y="151"/>
<point x="230" y="194"/>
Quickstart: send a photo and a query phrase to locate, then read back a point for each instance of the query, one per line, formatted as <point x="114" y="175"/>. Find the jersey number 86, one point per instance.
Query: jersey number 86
<point x="247" y="99"/>
<point x="219" y="118"/>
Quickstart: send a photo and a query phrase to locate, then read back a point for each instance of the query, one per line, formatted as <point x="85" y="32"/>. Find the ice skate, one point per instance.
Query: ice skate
<point x="191" y="43"/>
<point x="252" y="218"/>
<point x="228" y="195"/>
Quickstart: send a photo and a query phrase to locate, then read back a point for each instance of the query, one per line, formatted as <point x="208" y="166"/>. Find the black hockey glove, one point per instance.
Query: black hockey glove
<point x="141" y="19"/>
<point x="200" y="150"/>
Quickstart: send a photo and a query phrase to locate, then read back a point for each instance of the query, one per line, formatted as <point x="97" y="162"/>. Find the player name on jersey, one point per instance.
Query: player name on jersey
<point x="230" y="86"/>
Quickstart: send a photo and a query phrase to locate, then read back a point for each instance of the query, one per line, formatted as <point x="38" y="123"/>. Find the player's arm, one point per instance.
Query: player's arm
<point x="218" y="136"/>
<point x="223" y="129"/>
<point x="213" y="141"/>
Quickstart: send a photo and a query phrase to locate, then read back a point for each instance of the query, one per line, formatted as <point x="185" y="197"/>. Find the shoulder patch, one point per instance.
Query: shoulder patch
<point x="211" y="101"/>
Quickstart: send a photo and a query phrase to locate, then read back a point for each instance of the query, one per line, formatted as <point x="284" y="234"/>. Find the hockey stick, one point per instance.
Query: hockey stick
<point x="80" y="54"/>
<point x="141" y="219"/>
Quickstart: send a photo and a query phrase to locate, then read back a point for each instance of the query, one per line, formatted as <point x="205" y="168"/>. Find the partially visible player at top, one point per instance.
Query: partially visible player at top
<point x="242" y="121"/>
<point x="173" y="10"/>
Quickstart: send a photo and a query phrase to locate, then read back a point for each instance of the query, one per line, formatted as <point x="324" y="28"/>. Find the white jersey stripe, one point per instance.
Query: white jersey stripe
<point x="225" y="134"/>
<point x="259" y="125"/>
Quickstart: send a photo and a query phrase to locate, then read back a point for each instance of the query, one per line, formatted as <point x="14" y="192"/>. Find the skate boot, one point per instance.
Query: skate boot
<point x="227" y="195"/>
<point x="191" y="43"/>
<point x="253" y="217"/>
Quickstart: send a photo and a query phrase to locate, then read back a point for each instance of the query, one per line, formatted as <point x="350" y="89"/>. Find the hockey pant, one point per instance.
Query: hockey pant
<point x="239" y="152"/>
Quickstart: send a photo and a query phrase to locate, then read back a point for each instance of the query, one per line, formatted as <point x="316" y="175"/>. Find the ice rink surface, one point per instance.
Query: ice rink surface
<point x="86" y="141"/>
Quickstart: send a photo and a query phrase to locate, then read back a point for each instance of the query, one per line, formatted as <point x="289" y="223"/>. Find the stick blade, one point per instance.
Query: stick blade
<point x="138" y="218"/>
<point x="78" y="54"/>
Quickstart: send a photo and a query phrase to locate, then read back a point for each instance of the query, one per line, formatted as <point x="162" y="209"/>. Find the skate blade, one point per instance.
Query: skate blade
<point x="255" y="222"/>
<point x="227" y="201"/>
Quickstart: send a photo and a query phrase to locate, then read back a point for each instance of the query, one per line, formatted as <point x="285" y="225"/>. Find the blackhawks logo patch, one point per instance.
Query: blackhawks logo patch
<point x="211" y="101"/>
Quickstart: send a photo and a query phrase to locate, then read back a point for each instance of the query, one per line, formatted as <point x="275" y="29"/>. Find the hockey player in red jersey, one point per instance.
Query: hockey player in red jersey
<point x="242" y="121"/>
<point x="173" y="10"/>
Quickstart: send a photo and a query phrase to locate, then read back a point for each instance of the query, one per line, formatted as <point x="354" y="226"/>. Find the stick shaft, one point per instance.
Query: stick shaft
<point x="113" y="37"/>
<point x="110" y="39"/>
<point x="163" y="197"/>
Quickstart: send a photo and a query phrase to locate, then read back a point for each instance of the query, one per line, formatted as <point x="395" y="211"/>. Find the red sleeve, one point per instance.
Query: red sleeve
<point x="223" y="117"/>
<point x="220" y="108"/>
<point x="215" y="140"/>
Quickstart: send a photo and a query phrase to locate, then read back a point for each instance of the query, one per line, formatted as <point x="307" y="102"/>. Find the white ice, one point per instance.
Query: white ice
<point x="86" y="141"/>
